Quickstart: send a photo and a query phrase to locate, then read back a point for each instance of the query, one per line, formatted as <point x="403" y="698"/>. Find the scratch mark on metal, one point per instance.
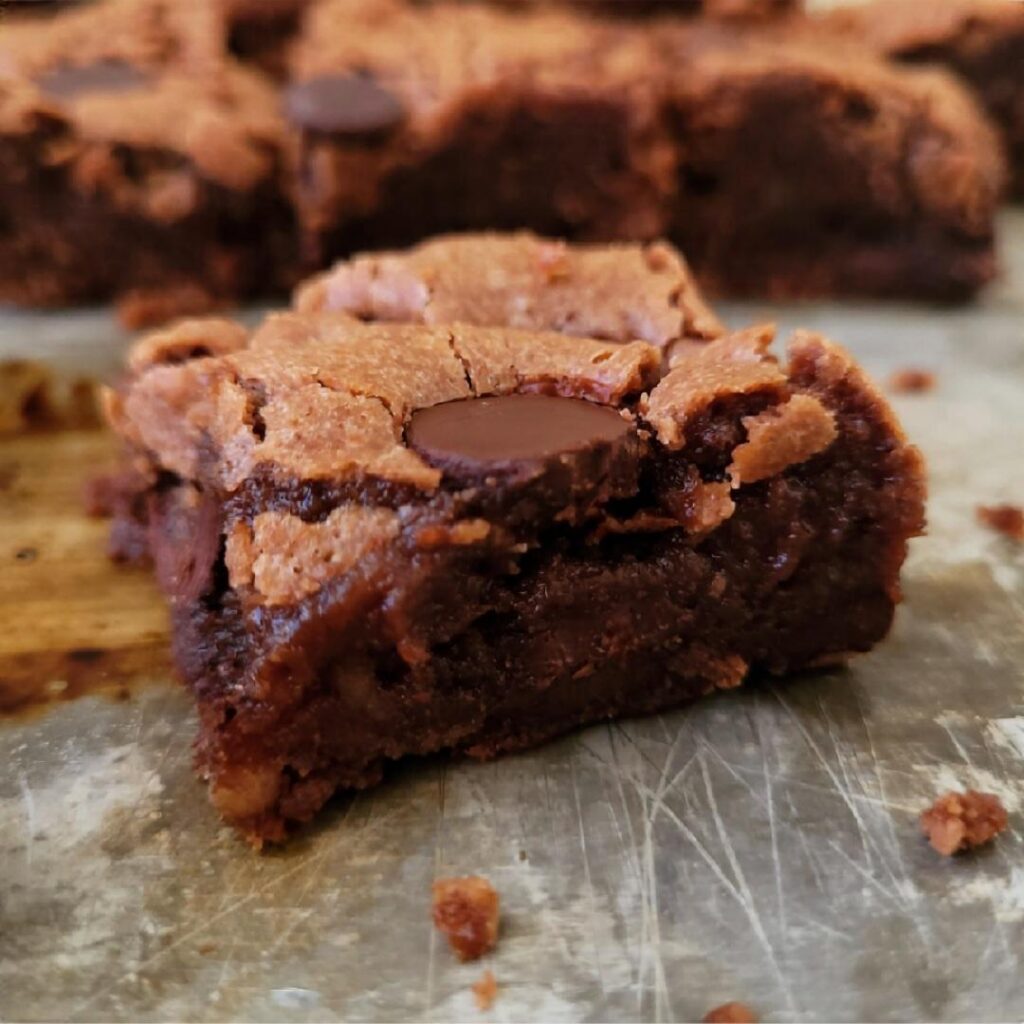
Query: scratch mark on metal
<point x="188" y="935"/>
<point x="748" y="902"/>
<point x="591" y="894"/>
<point x="30" y="815"/>
<point x="769" y="797"/>
<point x="438" y="861"/>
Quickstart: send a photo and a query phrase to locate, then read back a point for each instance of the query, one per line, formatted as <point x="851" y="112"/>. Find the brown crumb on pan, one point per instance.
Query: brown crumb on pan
<point x="731" y="1013"/>
<point x="485" y="990"/>
<point x="1005" y="519"/>
<point x="466" y="910"/>
<point x="961" y="821"/>
<point x="911" y="380"/>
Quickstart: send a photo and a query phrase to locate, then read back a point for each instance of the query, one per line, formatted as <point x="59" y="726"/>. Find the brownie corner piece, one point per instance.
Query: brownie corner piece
<point x="381" y="539"/>
<point x="136" y="160"/>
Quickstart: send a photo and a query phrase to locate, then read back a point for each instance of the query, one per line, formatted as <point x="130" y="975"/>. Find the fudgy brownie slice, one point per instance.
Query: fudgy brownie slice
<point x="134" y="158"/>
<point x="780" y="167"/>
<point x="808" y="169"/>
<point x="384" y="539"/>
<point x="412" y="120"/>
<point x="982" y="40"/>
<point x="612" y="292"/>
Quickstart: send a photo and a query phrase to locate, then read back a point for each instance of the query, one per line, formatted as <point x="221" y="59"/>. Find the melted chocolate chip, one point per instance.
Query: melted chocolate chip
<point x="512" y="434"/>
<point x="184" y="540"/>
<point x="354" y="105"/>
<point x="103" y="76"/>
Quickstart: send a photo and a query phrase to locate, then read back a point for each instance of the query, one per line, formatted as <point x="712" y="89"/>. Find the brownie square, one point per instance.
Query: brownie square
<point x="135" y="159"/>
<point x="780" y="167"/>
<point x="381" y="539"/>
<point x="980" y="40"/>
<point x="410" y="120"/>
<point x="808" y="169"/>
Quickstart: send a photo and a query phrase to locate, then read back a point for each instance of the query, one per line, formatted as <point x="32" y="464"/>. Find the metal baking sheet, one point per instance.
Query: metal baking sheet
<point x="761" y="845"/>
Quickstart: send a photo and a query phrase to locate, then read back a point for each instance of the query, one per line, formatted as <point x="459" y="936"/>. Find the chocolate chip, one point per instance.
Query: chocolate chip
<point x="353" y="105"/>
<point x="103" y="76"/>
<point x="185" y="537"/>
<point x="507" y="434"/>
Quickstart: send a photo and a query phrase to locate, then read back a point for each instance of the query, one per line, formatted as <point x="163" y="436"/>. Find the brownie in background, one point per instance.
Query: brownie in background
<point x="805" y="170"/>
<point x="980" y="40"/>
<point x="780" y="168"/>
<point x="136" y="160"/>
<point x="408" y="121"/>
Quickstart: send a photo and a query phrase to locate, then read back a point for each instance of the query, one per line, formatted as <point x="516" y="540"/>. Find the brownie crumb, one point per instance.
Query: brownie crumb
<point x="961" y="821"/>
<point x="912" y="381"/>
<point x="731" y="1013"/>
<point x="1005" y="519"/>
<point x="485" y="990"/>
<point x="466" y="910"/>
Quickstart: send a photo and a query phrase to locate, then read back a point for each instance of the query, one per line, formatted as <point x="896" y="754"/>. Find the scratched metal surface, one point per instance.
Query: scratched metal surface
<point x="760" y="845"/>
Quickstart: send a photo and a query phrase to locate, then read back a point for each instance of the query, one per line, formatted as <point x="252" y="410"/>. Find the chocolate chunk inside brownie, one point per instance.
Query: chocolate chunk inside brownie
<point x="381" y="539"/>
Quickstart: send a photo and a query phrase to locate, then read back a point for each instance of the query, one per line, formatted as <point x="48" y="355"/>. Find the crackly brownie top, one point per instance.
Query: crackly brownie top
<point x="323" y="396"/>
<point x="429" y="437"/>
<point x="147" y="74"/>
<point x="614" y="292"/>
<point x="361" y="69"/>
<point x="904" y="27"/>
<point x="930" y="145"/>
